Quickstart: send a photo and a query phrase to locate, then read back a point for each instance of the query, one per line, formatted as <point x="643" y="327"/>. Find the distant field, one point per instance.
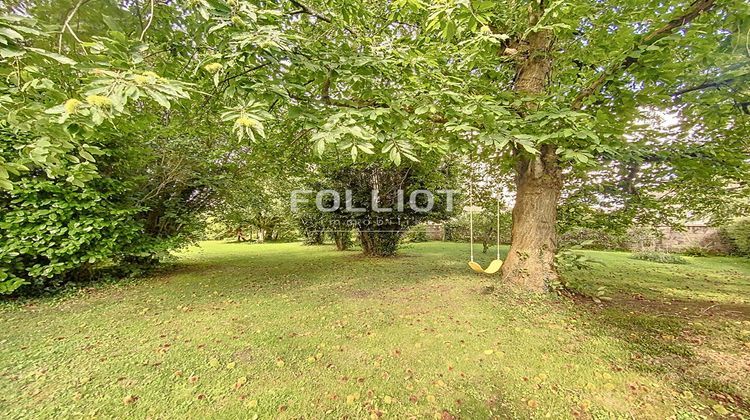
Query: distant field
<point x="289" y="331"/>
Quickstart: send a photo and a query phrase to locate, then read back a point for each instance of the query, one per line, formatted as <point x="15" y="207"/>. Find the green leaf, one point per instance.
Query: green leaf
<point x="55" y="56"/>
<point x="8" y="53"/>
<point x="10" y="33"/>
<point x="422" y="110"/>
<point x="86" y="155"/>
<point x="159" y="98"/>
<point x="395" y="156"/>
<point x="320" y="146"/>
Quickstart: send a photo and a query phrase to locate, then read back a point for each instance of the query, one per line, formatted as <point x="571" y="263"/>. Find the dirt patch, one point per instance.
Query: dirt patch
<point x="361" y="294"/>
<point x="245" y="355"/>
<point x="678" y="308"/>
<point x="729" y="367"/>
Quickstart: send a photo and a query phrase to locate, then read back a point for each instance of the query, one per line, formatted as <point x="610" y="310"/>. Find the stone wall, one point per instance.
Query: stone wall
<point x="435" y="231"/>
<point x="705" y="237"/>
<point x="665" y="239"/>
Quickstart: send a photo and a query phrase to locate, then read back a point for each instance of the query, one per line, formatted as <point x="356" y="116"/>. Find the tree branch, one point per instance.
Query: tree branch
<point x="704" y="85"/>
<point x="250" y="70"/>
<point x="148" y="24"/>
<point x="66" y="25"/>
<point x="695" y="9"/>
<point x="308" y="11"/>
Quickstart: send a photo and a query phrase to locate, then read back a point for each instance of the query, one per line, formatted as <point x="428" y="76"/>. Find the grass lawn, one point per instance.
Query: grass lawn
<point x="283" y="330"/>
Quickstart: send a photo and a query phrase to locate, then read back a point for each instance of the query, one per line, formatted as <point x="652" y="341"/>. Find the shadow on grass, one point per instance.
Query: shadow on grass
<point x="277" y="269"/>
<point x="664" y="340"/>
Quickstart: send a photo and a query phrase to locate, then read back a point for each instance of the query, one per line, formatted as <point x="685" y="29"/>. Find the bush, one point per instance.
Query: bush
<point x="643" y="238"/>
<point x="416" y="234"/>
<point x="659" y="257"/>
<point x="594" y="238"/>
<point x="697" y="251"/>
<point x="485" y="225"/>
<point x="55" y="232"/>
<point x="739" y="234"/>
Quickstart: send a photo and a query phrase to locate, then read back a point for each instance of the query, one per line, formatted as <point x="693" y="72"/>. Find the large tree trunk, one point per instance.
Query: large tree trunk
<point x="531" y="260"/>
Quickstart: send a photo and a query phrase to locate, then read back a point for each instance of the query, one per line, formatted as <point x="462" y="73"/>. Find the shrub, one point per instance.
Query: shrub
<point x="643" y="238"/>
<point x="594" y="238"/>
<point x="659" y="257"/>
<point x="416" y="234"/>
<point x="485" y="225"/>
<point x="55" y="232"/>
<point x="739" y="233"/>
<point x="697" y="251"/>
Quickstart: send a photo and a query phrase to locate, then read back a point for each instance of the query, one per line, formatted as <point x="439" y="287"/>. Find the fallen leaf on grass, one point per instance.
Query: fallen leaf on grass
<point x="351" y="398"/>
<point x="720" y="410"/>
<point x="445" y="415"/>
<point x="240" y="382"/>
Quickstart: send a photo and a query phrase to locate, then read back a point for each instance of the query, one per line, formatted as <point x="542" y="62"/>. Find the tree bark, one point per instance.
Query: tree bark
<point x="342" y="239"/>
<point x="531" y="261"/>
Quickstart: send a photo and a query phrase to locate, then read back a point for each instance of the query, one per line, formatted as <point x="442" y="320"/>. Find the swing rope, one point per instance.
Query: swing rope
<point x="471" y="218"/>
<point x="495" y="265"/>
<point x="497" y="228"/>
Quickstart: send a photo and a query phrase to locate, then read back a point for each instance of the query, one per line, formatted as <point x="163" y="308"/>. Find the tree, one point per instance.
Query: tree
<point x="577" y="109"/>
<point x="555" y="86"/>
<point x="375" y="199"/>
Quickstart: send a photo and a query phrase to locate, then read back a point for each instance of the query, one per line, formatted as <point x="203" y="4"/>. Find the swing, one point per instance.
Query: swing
<point x="497" y="263"/>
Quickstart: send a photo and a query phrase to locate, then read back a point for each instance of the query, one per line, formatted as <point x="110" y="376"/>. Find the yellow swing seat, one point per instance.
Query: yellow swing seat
<point x="493" y="268"/>
<point x="497" y="263"/>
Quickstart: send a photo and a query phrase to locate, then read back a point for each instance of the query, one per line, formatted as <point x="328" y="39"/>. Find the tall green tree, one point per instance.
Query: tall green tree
<point x="554" y="86"/>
